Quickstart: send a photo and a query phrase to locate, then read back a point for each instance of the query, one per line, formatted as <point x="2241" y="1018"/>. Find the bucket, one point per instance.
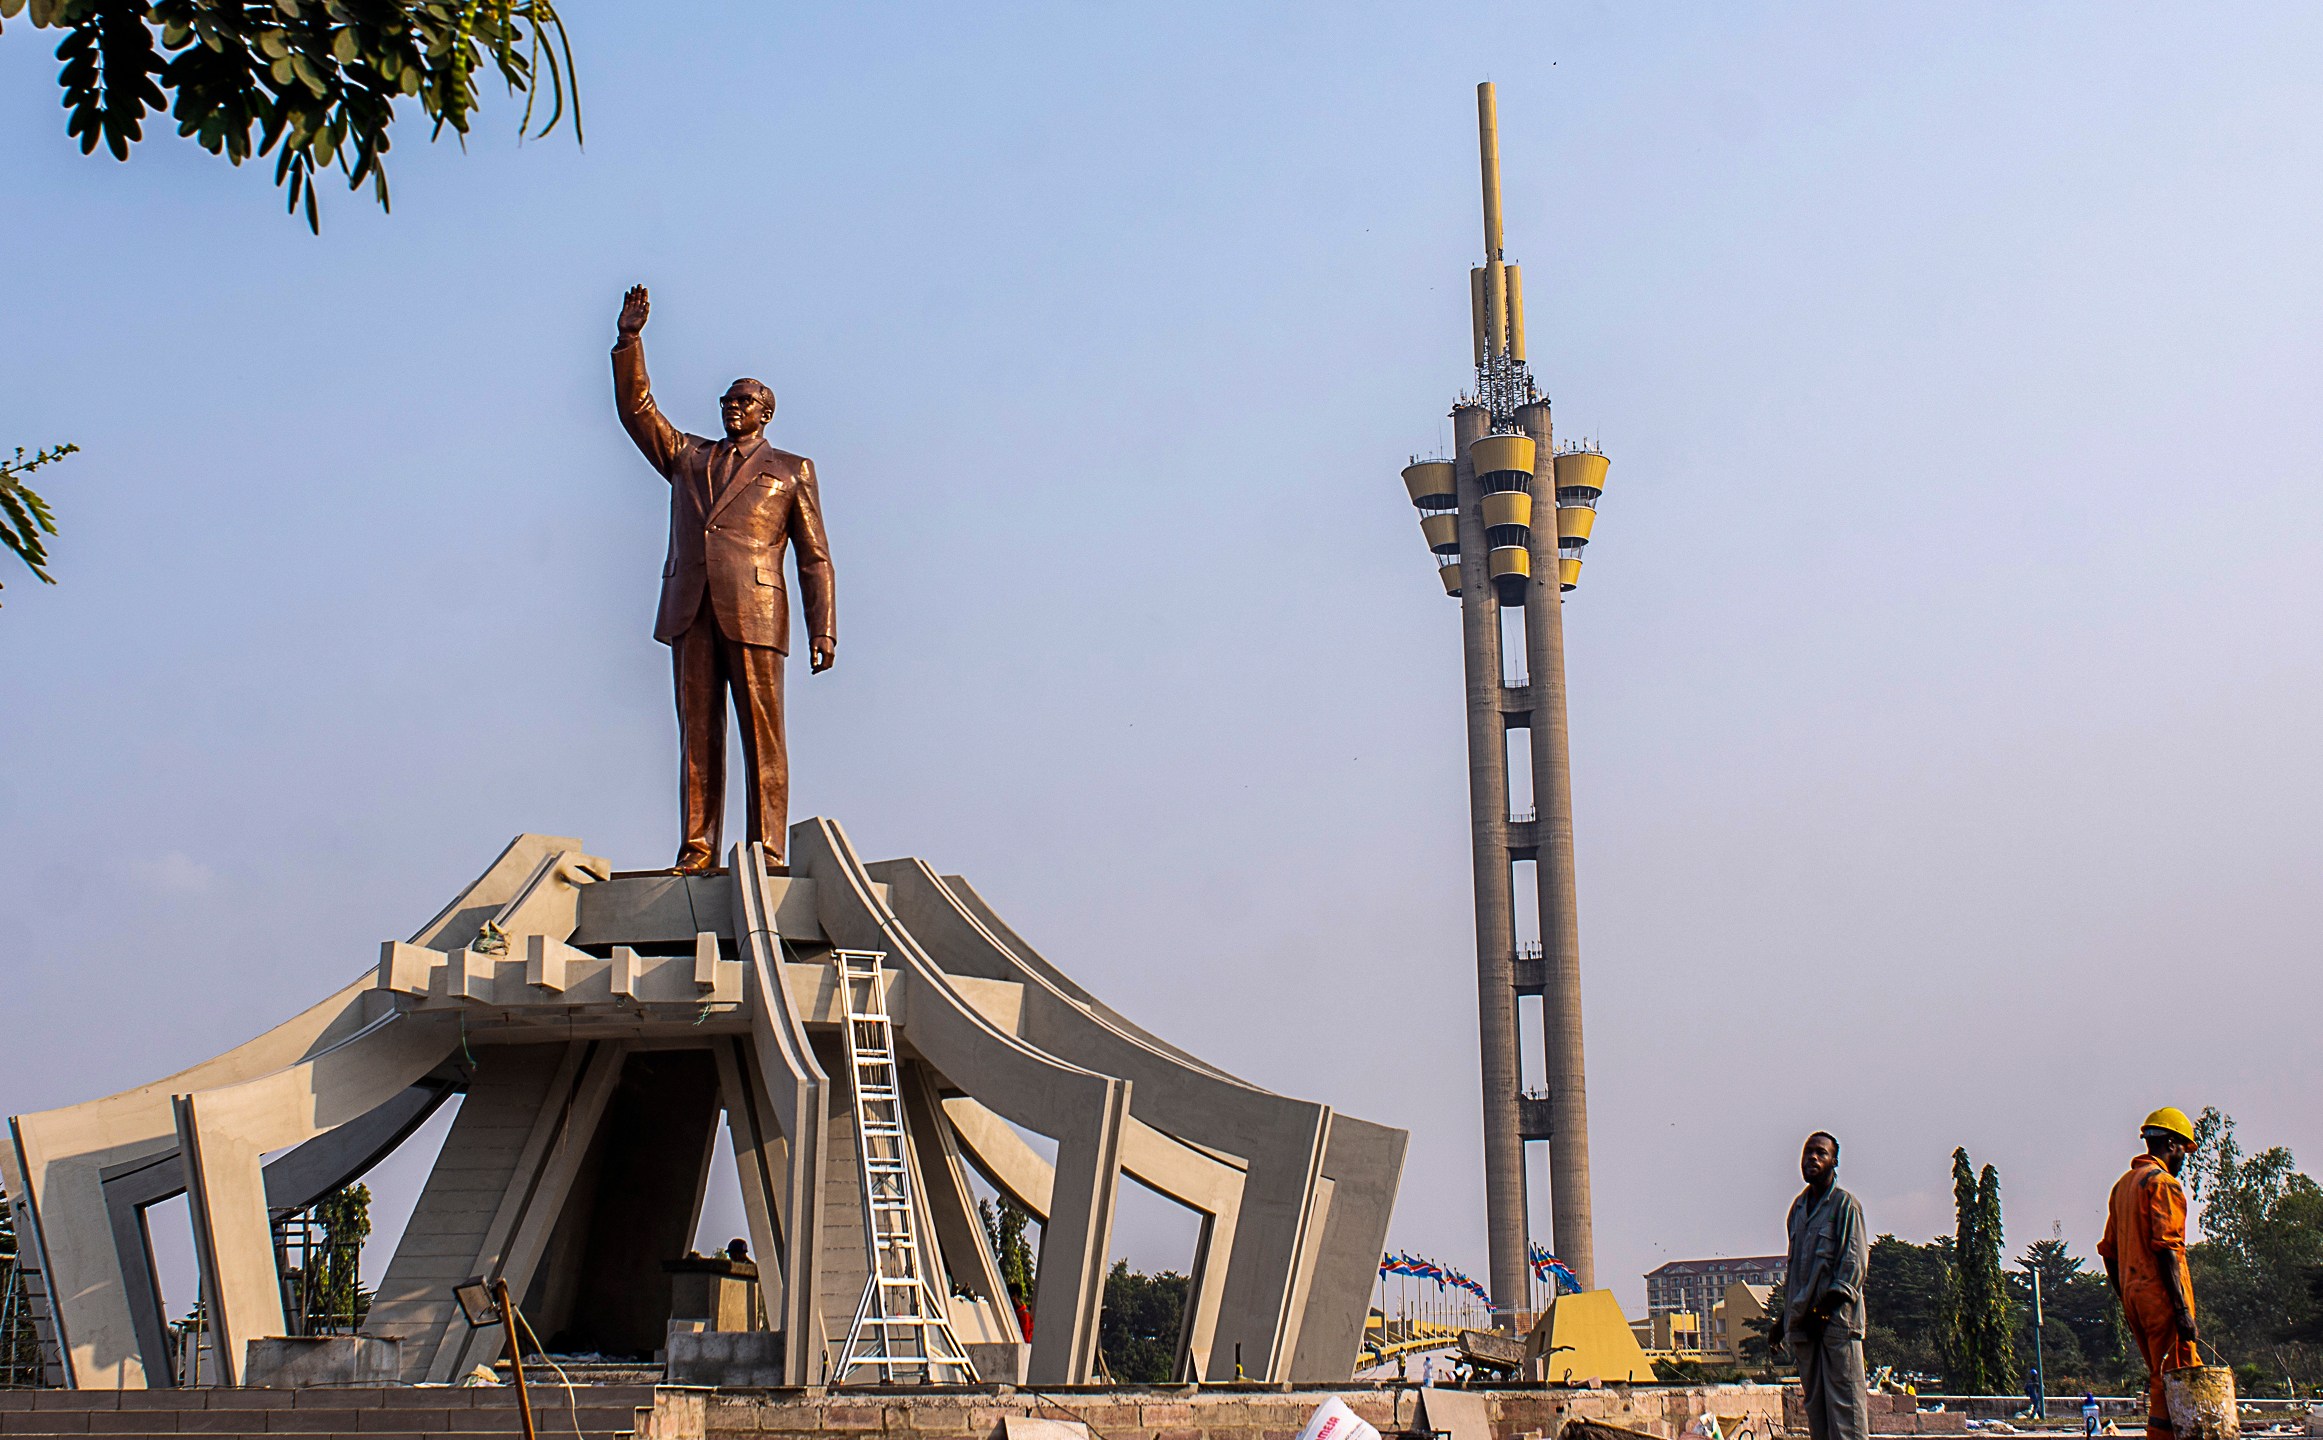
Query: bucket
<point x="2201" y="1401"/>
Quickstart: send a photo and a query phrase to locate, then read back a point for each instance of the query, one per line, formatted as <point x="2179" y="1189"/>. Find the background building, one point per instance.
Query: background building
<point x="1697" y="1285"/>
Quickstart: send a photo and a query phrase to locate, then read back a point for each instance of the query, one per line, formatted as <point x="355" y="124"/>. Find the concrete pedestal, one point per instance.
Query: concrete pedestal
<point x="727" y="1359"/>
<point x="309" y="1361"/>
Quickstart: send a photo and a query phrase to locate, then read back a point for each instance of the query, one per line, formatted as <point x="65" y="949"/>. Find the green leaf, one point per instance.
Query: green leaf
<point x="315" y="75"/>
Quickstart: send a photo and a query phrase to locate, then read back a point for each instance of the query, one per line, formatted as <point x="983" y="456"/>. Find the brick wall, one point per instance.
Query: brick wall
<point x="1182" y="1413"/>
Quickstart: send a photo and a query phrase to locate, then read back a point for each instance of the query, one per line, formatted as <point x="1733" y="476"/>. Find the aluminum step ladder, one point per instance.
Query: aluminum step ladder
<point x="900" y="1331"/>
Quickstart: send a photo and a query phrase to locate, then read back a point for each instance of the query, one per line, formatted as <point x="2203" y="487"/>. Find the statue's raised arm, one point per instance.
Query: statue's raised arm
<point x="633" y="390"/>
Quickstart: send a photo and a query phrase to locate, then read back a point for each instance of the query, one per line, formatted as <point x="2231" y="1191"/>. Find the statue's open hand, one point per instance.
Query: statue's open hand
<point x="635" y="306"/>
<point x="826" y="653"/>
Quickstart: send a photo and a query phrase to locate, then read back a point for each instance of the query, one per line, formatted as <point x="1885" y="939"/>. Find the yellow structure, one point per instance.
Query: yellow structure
<point x="1585" y="1337"/>
<point x="1677" y="1333"/>
<point x="1730" y="1319"/>
<point x="1580" y="475"/>
<point x="1498" y="455"/>
<point x="1429" y="483"/>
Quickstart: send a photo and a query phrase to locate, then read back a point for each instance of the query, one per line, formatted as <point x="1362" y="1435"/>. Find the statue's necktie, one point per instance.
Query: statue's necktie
<point x="721" y="469"/>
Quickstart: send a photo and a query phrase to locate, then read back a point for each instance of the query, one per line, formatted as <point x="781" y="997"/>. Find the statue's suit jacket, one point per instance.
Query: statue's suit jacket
<point x="731" y="514"/>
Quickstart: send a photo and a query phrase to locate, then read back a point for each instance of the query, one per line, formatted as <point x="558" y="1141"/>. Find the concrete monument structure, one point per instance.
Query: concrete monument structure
<point x="1497" y="541"/>
<point x="595" y="1025"/>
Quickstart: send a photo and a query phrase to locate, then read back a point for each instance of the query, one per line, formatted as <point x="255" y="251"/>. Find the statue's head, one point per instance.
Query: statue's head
<point x="746" y="407"/>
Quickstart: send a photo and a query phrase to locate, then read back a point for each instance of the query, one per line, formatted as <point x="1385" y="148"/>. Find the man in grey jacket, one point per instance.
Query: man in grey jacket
<point x="1822" y="1313"/>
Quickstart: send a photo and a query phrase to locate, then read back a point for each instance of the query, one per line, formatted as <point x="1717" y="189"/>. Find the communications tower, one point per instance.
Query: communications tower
<point x="1506" y="550"/>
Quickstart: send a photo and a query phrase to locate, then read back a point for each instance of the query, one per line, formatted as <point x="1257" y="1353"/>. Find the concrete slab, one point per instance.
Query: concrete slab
<point x="732" y="1359"/>
<point x="310" y="1361"/>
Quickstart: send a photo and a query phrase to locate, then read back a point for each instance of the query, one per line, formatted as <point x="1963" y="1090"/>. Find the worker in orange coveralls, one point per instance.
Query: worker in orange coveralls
<point x="2144" y="1250"/>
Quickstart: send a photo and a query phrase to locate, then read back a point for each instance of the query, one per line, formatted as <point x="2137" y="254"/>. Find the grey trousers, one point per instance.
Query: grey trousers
<point x="1831" y="1379"/>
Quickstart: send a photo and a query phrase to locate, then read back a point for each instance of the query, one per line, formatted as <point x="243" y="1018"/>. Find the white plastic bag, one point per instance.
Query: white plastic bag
<point x="1332" y="1420"/>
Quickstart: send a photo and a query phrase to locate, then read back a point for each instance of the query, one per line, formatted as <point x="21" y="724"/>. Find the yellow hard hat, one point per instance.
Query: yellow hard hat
<point x="2170" y="1118"/>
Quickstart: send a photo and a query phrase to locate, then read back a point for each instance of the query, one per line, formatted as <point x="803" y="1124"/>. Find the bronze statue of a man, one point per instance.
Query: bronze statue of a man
<point x="734" y="505"/>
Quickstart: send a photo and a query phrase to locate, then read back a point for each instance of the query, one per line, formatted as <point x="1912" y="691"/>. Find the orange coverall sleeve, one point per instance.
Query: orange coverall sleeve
<point x="2165" y="1216"/>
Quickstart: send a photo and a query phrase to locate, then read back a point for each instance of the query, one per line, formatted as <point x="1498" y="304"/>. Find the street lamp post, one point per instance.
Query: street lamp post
<point x="2040" y="1385"/>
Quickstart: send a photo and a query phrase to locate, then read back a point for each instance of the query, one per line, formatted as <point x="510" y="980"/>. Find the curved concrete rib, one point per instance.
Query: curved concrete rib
<point x="985" y="1314"/>
<point x="1363" y="1164"/>
<point x="1202" y="1183"/>
<point x="1085" y="1111"/>
<point x="1015" y="1169"/>
<point x="1279" y="1137"/>
<point x="342" y="1156"/>
<point x="223" y="1132"/>
<point x="57" y="1166"/>
<point x="972" y="901"/>
<point x="792" y="1094"/>
<point x="981" y="909"/>
<point x="1213" y="1189"/>
<point x="293" y="1182"/>
<point x="54" y="1162"/>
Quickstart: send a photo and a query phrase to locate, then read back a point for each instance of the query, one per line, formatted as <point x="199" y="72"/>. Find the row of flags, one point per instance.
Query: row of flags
<point x="1547" y="1267"/>
<point x="1444" y="1275"/>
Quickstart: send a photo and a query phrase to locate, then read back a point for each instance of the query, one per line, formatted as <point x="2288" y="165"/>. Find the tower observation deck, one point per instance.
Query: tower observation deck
<point x="1500" y="536"/>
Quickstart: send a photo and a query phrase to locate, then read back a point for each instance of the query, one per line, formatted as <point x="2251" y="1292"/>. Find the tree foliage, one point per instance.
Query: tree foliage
<point x="1004" y="1226"/>
<point x="1907" y="1301"/>
<point x="2083" y="1345"/>
<point x="1137" y="1329"/>
<point x="337" y="1286"/>
<point x="25" y="519"/>
<point x="2258" y="1268"/>
<point x="1911" y="1294"/>
<point x="314" y="83"/>
<point x="1978" y="1333"/>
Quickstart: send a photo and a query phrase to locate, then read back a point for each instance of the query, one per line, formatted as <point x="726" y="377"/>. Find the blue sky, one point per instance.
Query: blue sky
<point x="1944" y="682"/>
